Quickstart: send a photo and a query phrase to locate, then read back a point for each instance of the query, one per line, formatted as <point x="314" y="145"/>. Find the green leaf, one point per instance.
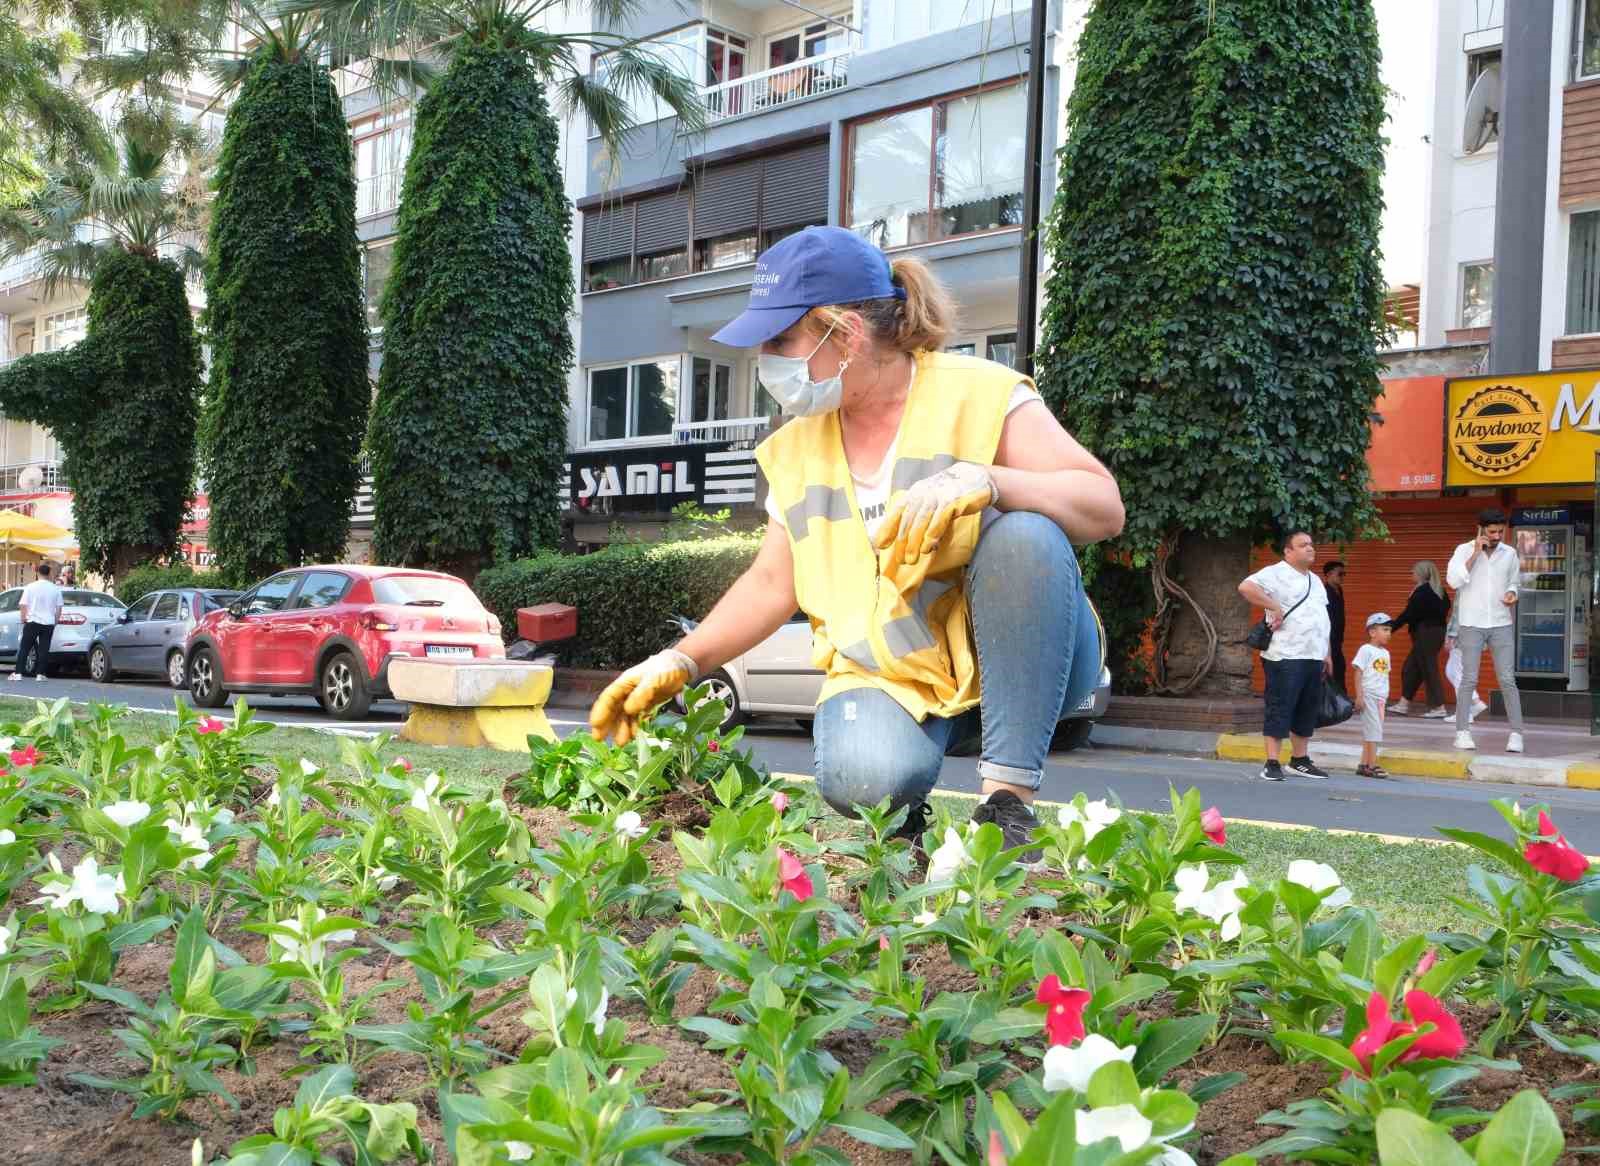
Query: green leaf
<point x="1405" y="1139"/>
<point x="1496" y="848"/>
<point x="1524" y="1133"/>
<point x="1124" y="992"/>
<point x="191" y="943"/>
<point x="1395" y="966"/>
<point x="1166" y="1044"/>
<point x="1113" y="1083"/>
<point x="802" y="1105"/>
<point x="873" y="1130"/>
<point x="1328" y="1050"/>
<point x="324" y="1086"/>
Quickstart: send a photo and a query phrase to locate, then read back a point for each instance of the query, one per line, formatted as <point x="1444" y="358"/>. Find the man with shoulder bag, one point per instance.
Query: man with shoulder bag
<point x="1296" y="657"/>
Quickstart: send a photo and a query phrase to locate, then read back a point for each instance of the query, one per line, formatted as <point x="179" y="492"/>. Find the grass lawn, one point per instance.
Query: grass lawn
<point x="1410" y="885"/>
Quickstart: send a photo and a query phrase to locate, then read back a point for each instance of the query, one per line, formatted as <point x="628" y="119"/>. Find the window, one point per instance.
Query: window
<point x="10" y="600"/>
<point x="682" y="51"/>
<point x="1583" y="274"/>
<point x="765" y="405"/>
<point x="664" y="265"/>
<point x="777" y="234"/>
<point x="1477" y="64"/>
<point x="728" y="251"/>
<point x="724" y="56"/>
<point x="382" y="146"/>
<point x="1477" y="294"/>
<point x="141" y="610"/>
<point x="609" y="273"/>
<point x="641" y="240"/>
<point x="271" y="595"/>
<point x="963" y="349"/>
<point x="1003" y="348"/>
<point x="166" y="607"/>
<point x="378" y="259"/>
<point x="811" y="41"/>
<point x="64" y="329"/>
<point x="710" y="390"/>
<point x="322" y="589"/>
<point x="422" y="591"/>
<point x="217" y="600"/>
<point x="637" y="400"/>
<point x="891" y="160"/>
<point x="1587" y="50"/>
<point x="91" y="599"/>
<point x="893" y="22"/>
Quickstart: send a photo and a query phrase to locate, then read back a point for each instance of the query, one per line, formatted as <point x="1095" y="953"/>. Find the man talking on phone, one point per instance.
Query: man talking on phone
<point x="1483" y="573"/>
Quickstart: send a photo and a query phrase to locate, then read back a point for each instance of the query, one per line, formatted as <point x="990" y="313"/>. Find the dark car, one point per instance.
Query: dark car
<point x="149" y="638"/>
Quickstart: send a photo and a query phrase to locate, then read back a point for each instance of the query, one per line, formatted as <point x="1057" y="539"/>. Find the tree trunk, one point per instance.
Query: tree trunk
<point x="1210" y="570"/>
<point x="125" y="557"/>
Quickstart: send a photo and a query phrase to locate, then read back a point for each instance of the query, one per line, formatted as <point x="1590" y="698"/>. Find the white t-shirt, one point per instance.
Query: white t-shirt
<point x="872" y="492"/>
<point x="1305" y="634"/>
<point x="1372" y="665"/>
<point x="42" y="598"/>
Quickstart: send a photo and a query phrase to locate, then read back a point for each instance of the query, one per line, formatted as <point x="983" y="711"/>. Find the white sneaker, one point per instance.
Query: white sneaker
<point x="1437" y="714"/>
<point x="1477" y="707"/>
<point x="1400" y="708"/>
<point x="1464" y="741"/>
<point x="40" y="677"/>
<point x="1514" y="743"/>
<point x="16" y="676"/>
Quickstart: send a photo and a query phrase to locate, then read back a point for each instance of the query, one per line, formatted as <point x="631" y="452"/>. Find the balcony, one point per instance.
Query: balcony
<point x="743" y="432"/>
<point x="50" y="479"/>
<point x="796" y="81"/>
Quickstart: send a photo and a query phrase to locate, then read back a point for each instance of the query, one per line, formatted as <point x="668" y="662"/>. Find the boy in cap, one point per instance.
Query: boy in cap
<point x="1372" y="691"/>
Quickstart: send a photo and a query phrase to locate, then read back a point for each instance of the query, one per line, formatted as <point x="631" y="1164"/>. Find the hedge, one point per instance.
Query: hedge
<point x="623" y="594"/>
<point x="155" y="577"/>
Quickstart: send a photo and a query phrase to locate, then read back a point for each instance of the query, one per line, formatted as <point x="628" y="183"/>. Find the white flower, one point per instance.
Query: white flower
<point x="1072" y="1067"/>
<point x="630" y="825"/>
<point x="308" y="767"/>
<point x="1319" y="877"/>
<point x="56" y="886"/>
<point x="96" y="891"/>
<point x="384" y="880"/>
<point x="7" y="837"/>
<point x="963" y="898"/>
<point x="273" y="799"/>
<point x="949" y="858"/>
<point x="193" y="837"/>
<point x="925" y="919"/>
<point x="310" y="953"/>
<point x="6" y="936"/>
<point x="1191" y="882"/>
<point x="597" y="1018"/>
<point x="422" y="795"/>
<point x="126" y="814"/>
<point x="518" y="1151"/>
<point x="7" y="742"/>
<point x="1095" y="817"/>
<point x="1125" y="1123"/>
<point x="197" y="1153"/>
<point x="1221" y="904"/>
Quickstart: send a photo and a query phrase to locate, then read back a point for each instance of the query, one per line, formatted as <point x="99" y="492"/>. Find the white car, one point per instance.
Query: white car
<point x="84" y="615"/>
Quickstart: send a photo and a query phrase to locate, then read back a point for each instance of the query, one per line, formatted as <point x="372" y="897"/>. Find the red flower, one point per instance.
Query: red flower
<point x="793" y="875"/>
<point x="24" y="757"/>
<point x="1557" y="857"/>
<point x="780" y="801"/>
<point x="209" y="725"/>
<point x="1212" y="823"/>
<point x="1381" y="1029"/>
<point x="1063" y="1018"/>
<point x="403" y="764"/>
<point x="1446" y="1041"/>
<point x="713" y="746"/>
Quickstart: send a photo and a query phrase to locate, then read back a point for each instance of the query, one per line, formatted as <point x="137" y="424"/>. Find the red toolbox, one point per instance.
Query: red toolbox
<point x="546" y="623"/>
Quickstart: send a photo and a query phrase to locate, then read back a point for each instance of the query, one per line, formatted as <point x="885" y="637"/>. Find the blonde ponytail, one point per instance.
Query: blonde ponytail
<point x="921" y="322"/>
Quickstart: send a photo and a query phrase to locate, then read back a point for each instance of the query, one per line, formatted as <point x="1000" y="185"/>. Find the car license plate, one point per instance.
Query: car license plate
<point x="449" y="650"/>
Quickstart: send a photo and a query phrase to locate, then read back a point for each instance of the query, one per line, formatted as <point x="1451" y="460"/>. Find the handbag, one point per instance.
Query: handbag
<point x="1336" y="706"/>
<point x="1260" y="636"/>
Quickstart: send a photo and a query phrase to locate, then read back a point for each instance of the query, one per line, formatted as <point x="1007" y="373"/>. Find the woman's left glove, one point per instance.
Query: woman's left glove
<point x="921" y="517"/>
<point x="637" y="691"/>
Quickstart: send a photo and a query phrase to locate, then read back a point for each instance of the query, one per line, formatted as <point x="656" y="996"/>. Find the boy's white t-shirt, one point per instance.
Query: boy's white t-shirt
<point x="1372" y="665"/>
<point x="43" y="601"/>
<point x="872" y="492"/>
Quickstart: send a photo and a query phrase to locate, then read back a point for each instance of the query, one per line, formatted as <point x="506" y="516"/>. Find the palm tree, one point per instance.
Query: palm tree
<point x="123" y="402"/>
<point x="41" y="115"/>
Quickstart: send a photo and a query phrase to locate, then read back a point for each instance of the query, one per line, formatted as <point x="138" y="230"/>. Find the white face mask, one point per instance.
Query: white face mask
<point x="788" y="379"/>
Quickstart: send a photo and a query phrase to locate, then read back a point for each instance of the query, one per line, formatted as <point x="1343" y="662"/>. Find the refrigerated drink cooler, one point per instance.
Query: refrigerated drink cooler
<point x="1552" y="612"/>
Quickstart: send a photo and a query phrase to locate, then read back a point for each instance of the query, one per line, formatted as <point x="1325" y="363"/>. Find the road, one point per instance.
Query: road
<point x="1402" y="806"/>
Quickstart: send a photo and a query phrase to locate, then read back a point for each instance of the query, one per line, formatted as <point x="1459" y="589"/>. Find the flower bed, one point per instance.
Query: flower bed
<point x="660" y="954"/>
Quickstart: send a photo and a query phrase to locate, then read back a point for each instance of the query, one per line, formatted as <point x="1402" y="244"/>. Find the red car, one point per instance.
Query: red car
<point x="332" y="631"/>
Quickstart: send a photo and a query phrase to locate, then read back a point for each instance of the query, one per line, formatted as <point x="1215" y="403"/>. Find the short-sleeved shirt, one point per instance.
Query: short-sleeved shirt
<point x="1305" y="634"/>
<point x="1372" y="665"/>
<point x="42" y="598"/>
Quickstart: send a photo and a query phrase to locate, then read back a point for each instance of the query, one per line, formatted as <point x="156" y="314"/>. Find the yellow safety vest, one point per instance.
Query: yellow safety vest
<point x="911" y="637"/>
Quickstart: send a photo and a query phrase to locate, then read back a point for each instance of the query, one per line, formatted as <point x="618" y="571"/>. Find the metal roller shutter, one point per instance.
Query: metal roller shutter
<point x="607" y="234"/>
<point x="795" y="187"/>
<point x="726" y="199"/>
<point x="663" y="223"/>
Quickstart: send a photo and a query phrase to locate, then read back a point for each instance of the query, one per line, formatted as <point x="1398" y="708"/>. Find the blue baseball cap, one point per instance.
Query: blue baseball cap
<point x="815" y="268"/>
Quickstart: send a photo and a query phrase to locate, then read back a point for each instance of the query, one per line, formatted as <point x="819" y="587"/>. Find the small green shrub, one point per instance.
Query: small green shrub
<point x="149" y="577"/>
<point x="623" y="594"/>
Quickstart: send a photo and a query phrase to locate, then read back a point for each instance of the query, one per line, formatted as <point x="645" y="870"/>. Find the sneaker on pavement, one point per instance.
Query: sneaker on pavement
<point x="1272" y="771"/>
<point x="1437" y="714"/>
<point x="1400" y="708"/>
<point x="1305" y="767"/>
<point x="16" y="676"/>
<point x="40" y="677"/>
<point x="1514" y="743"/>
<point x="1464" y="741"/>
<point x="1478" y="708"/>
<point x="1015" y="819"/>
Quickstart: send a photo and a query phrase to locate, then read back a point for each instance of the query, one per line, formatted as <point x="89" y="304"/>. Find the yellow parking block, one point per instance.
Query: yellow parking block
<point x="1241" y="747"/>
<point x="1583" y="776"/>
<point x="496" y="728"/>
<point x="1425" y="763"/>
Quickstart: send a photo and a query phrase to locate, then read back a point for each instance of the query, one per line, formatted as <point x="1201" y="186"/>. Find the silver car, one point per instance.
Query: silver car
<point x="149" y="638"/>
<point x="83" y="615"/>
<point x="777" y="678"/>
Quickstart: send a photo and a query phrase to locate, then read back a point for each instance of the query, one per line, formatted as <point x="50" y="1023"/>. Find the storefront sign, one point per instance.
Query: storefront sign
<point x="1541" y="516"/>
<point x="1540" y="429"/>
<point x="654" y="479"/>
<point x="1406" y="451"/>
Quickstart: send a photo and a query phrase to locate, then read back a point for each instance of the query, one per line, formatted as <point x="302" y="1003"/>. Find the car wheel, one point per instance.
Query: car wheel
<point x="100" y="664"/>
<point x="1072" y="735"/>
<point x="205" y="679"/>
<point x="342" y="687"/>
<point x="177" y="675"/>
<point x="720" y="687"/>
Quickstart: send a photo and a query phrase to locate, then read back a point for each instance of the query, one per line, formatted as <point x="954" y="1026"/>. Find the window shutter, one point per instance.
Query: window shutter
<point x="663" y="223"/>
<point x="607" y="234"/>
<point x="795" y="188"/>
<point x="726" y="198"/>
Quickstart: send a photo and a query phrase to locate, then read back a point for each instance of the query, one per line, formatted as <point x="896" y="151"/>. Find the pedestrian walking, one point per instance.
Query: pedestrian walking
<point x="1297" y="659"/>
<point x="1484" y="574"/>
<point x="40" y="606"/>
<point x="1333" y="580"/>
<point x="1452" y="672"/>
<point x="923" y="512"/>
<point x="1426" y="613"/>
<point x="1372" y="691"/>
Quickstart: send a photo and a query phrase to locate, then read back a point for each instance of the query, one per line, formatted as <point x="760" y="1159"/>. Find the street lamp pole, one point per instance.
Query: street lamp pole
<point x="1028" y="267"/>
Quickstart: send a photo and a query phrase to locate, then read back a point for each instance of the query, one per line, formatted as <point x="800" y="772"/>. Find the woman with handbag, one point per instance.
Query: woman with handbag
<point x="1426" y="614"/>
<point x="1296" y="659"/>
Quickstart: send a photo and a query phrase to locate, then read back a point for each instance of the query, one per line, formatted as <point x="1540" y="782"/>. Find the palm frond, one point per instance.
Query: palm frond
<point x="70" y="262"/>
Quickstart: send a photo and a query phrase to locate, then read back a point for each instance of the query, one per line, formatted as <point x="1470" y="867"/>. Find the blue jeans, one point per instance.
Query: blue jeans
<point x="1038" y="657"/>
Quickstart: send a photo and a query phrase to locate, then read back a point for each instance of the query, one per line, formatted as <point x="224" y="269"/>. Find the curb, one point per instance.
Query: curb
<point x="1441" y="764"/>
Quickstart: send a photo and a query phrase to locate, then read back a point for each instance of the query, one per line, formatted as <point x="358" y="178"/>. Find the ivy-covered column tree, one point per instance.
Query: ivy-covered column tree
<point x="1215" y="307"/>
<point x="287" y="403"/>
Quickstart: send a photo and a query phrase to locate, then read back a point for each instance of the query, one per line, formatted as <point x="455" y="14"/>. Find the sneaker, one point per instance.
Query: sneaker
<point x="1478" y="707"/>
<point x="1400" y="708"/>
<point x="1464" y="741"/>
<point x="1437" y="714"/>
<point x="1305" y="767"/>
<point x="1514" y="743"/>
<point x="915" y="825"/>
<point x="1272" y="771"/>
<point x="40" y="677"/>
<point x="1016" y="821"/>
<point x="16" y="676"/>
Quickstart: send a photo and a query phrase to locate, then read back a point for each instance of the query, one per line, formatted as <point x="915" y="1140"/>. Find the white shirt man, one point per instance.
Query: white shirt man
<point x="40" y="607"/>
<point x="1484" y="573"/>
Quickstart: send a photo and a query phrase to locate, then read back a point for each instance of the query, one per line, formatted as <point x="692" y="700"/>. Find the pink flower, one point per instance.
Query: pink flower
<point x="1381" y="1029"/>
<point x="1445" y="1041"/>
<point x="24" y="757"/>
<point x="209" y="725"/>
<point x="1063" y="1018"/>
<point x="1557" y="857"/>
<point x="713" y="746"/>
<point x="793" y="875"/>
<point x="883" y="942"/>
<point x="1429" y="958"/>
<point x="1211" y="821"/>
<point x="403" y="764"/>
<point x="780" y="801"/>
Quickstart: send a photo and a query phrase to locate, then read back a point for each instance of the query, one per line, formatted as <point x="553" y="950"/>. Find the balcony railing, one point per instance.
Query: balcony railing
<point x="20" y="269"/>
<point x="744" y="432"/>
<point x="377" y="193"/>
<point x="810" y="77"/>
<point x="50" y="479"/>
